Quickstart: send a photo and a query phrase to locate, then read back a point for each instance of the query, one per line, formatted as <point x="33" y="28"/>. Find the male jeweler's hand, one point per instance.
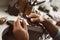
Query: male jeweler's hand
<point x="52" y="29"/>
<point x="20" y="30"/>
<point x="35" y="17"/>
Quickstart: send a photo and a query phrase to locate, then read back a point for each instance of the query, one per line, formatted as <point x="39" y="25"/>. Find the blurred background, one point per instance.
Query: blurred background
<point x="53" y="7"/>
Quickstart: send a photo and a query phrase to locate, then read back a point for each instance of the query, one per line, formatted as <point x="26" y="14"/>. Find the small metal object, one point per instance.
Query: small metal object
<point x="28" y="18"/>
<point x="2" y="20"/>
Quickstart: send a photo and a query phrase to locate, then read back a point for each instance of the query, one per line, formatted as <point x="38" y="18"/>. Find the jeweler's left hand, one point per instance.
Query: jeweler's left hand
<point x="20" y="30"/>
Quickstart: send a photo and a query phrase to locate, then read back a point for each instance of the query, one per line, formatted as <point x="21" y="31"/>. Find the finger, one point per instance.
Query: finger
<point x="15" y="23"/>
<point x="19" y="26"/>
<point x="14" y="26"/>
<point x="24" y="24"/>
<point x="33" y="15"/>
<point x="19" y="17"/>
<point x="35" y="19"/>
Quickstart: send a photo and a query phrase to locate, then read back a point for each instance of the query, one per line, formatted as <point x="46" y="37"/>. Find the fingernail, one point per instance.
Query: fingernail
<point x="19" y="16"/>
<point x="20" y="20"/>
<point x="32" y="20"/>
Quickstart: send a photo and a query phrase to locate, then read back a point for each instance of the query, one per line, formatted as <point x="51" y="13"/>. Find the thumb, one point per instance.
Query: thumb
<point x="19" y="26"/>
<point x="24" y="24"/>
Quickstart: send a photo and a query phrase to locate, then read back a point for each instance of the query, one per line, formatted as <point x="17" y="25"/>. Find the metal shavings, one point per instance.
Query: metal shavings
<point x="55" y="8"/>
<point x="43" y="9"/>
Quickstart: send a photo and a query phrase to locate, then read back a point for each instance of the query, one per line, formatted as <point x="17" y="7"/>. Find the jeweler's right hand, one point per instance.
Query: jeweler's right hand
<point x="35" y="17"/>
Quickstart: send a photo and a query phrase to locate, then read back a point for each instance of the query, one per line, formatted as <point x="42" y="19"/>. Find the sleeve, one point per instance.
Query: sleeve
<point x="57" y="36"/>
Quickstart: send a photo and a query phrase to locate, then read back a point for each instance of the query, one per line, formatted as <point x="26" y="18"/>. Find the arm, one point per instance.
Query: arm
<point x="52" y="29"/>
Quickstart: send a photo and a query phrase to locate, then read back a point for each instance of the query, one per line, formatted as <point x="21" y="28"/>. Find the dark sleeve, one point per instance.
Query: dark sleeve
<point x="57" y="36"/>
